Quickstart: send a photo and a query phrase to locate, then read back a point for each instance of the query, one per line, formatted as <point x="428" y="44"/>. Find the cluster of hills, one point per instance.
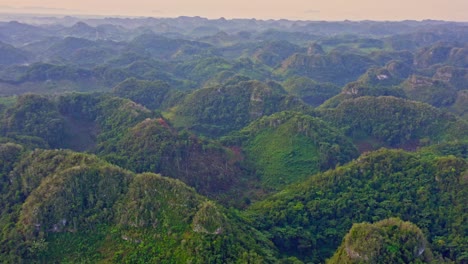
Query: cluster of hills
<point x="189" y="140"/>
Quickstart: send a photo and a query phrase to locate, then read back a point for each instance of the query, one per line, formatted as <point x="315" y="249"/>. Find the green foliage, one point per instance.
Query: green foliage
<point x="219" y="110"/>
<point x="27" y="175"/>
<point x="61" y="198"/>
<point x="153" y="146"/>
<point x="439" y="53"/>
<point x="434" y="92"/>
<point x="6" y="102"/>
<point x="117" y="115"/>
<point x="383" y="57"/>
<point x="457" y="77"/>
<point x="310" y="91"/>
<point x="395" y="122"/>
<point x="101" y="119"/>
<point x="187" y="227"/>
<point x="157" y="202"/>
<point x="381" y="77"/>
<point x="455" y="148"/>
<point x="76" y="121"/>
<point x="45" y="72"/>
<point x="9" y="155"/>
<point x="73" y="199"/>
<point x="28" y="142"/>
<point x="362" y="88"/>
<point x="200" y="69"/>
<point x="59" y="206"/>
<point x="336" y="67"/>
<point x="37" y="165"/>
<point x="153" y="95"/>
<point x="164" y="48"/>
<point x="387" y="241"/>
<point x="35" y="115"/>
<point x="272" y="53"/>
<point x="209" y="219"/>
<point x="287" y="147"/>
<point x="308" y="220"/>
<point x="460" y="107"/>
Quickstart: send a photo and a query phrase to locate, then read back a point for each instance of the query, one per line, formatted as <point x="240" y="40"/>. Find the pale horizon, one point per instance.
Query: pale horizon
<point x="331" y="10"/>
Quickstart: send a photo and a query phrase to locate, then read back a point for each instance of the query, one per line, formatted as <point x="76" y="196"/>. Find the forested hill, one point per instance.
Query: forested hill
<point x="309" y="220"/>
<point x="190" y="140"/>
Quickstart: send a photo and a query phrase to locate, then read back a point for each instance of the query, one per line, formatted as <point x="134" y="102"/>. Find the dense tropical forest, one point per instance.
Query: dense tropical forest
<point x="190" y="140"/>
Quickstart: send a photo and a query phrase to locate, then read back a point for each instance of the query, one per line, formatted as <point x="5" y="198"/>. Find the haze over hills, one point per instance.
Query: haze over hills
<point x="332" y="10"/>
<point x="194" y="140"/>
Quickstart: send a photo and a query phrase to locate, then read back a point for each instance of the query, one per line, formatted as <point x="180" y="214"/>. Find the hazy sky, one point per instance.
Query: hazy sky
<point x="261" y="9"/>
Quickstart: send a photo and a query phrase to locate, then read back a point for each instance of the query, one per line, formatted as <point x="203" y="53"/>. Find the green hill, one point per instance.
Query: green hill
<point x="394" y="122"/>
<point x="452" y="54"/>
<point x="153" y="95"/>
<point x="62" y="206"/>
<point x="196" y="140"/>
<point x="335" y="67"/>
<point x="76" y="121"/>
<point x="153" y="146"/>
<point x="10" y="55"/>
<point x="387" y="241"/>
<point x="428" y="90"/>
<point x="287" y="147"/>
<point x="218" y="110"/>
<point x="457" y="77"/>
<point x="203" y="70"/>
<point x="161" y="47"/>
<point x="37" y="116"/>
<point x="272" y="53"/>
<point x="309" y="219"/>
<point x="310" y="91"/>
<point x="383" y="81"/>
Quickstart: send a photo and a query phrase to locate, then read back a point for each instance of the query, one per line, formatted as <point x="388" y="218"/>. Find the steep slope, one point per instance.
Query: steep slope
<point x="82" y="51"/>
<point x="10" y="55"/>
<point x="442" y="53"/>
<point x="76" y="121"/>
<point x="336" y="67"/>
<point x="383" y="81"/>
<point x="161" y="47"/>
<point x="153" y="146"/>
<point x="153" y="95"/>
<point x="428" y="90"/>
<point x="387" y="241"/>
<point x="394" y="122"/>
<point x="272" y="53"/>
<point x="309" y="220"/>
<point x="457" y="77"/>
<point x="460" y="106"/>
<point x="37" y="116"/>
<point x="62" y="206"/>
<point x="310" y="91"/>
<point x="202" y="70"/>
<point x="287" y="147"/>
<point x="216" y="111"/>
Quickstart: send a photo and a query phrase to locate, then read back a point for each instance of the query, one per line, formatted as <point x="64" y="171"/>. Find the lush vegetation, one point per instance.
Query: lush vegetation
<point x="395" y="122"/>
<point x="111" y="214"/>
<point x="190" y="140"/>
<point x="387" y="241"/>
<point x="287" y="147"/>
<point x="310" y="219"/>
<point x="154" y="146"/>
<point x="218" y="110"/>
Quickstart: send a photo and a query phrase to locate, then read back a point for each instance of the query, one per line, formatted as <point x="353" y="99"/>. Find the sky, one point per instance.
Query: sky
<point x="453" y="10"/>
